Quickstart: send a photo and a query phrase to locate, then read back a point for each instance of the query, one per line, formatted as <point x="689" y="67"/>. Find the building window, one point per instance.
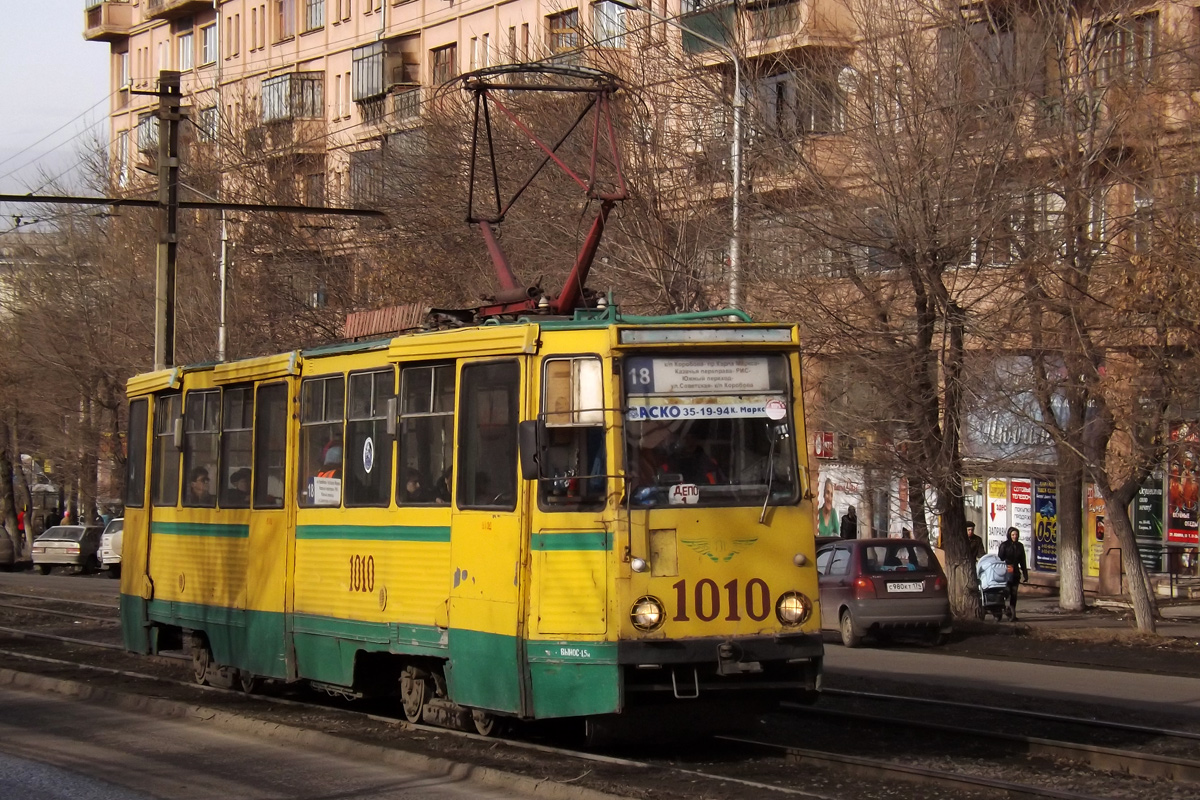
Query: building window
<point x="285" y="19"/>
<point x="368" y="71"/>
<point x="147" y="133"/>
<point x="563" y="29"/>
<point x="322" y="404"/>
<point x="445" y="64"/>
<point x="122" y="156"/>
<point x="208" y="44"/>
<point x="297" y="95"/>
<point x="426" y="435"/>
<point x="366" y="177"/>
<point x="314" y="14"/>
<point x="187" y="50"/>
<point x="208" y="123"/>
<point x="233" y="35"/>
<point x="1143" y="219"/>
<point x="314" y="189"/>
<point x="1127" y="48"/>
<point x="608" y="24"/>
<point x="123" y="69"/>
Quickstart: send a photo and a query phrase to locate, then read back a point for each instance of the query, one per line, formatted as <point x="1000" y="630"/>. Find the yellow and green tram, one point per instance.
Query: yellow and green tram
<point x="579" y="517"/>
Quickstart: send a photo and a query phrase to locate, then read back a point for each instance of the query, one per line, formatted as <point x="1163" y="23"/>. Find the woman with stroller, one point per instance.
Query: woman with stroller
<point x="1012" y="553"/>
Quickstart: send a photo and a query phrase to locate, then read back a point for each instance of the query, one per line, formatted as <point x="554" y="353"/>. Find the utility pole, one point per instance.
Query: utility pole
<point x="169" y="115"/>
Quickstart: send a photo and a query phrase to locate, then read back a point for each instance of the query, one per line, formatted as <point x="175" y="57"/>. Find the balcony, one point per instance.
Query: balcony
<point x="173" y="9"/>
<point x="765" y="27"/>
<point x="107" y="20"/>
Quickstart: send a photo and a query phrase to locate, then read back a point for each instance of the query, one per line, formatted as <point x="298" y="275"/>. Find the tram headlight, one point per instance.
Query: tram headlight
<point x="647" y="613"/>
<point x="793" y="608"/>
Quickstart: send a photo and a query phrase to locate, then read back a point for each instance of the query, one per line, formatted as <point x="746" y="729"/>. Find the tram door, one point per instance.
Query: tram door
<point x="486" y="607"/>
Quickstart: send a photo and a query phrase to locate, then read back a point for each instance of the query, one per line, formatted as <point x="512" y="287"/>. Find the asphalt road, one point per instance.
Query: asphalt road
<point x="53" y="748"/>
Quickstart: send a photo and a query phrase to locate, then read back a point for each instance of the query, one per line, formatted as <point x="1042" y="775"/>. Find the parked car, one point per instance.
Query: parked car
<point x="68" y="545"/>
<point x="110" y="547"/>
<point x="878" y="586"/>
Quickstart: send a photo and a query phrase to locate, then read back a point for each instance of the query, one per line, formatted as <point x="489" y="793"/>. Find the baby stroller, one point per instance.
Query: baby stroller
<point x="993" y="585"/>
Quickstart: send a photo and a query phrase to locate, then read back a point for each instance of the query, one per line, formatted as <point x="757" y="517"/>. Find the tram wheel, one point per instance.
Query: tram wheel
<point x="486" y="724"/>
<point x="414" y="691"/>
<point x="849" y="637"/>
<point x="248" y="681"/>
<point x="201" y="661"/>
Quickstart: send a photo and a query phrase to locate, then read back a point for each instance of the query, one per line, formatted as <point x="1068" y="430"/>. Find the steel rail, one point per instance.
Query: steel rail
<point x="58" y="613"/>
<point x="1016" y="712"/>
<point x="1130" y="762"/>
<point x="59" y="600"/>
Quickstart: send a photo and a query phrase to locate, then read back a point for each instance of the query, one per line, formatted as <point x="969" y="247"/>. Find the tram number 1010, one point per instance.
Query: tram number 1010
<point x="706" y="597"/>
<point x="362" y="573"/>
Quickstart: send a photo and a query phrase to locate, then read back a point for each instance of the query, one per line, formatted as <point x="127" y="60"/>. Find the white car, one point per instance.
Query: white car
<point x="109" y="553"/>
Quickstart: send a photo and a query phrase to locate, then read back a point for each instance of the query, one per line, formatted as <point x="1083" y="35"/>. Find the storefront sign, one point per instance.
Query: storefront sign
<point x="1183" y="488"/>
<point x="1045" y="526"/>
<point x="996" y="513"/>
<point x="1020" y="509"/>
<point x="1148" y="522"/>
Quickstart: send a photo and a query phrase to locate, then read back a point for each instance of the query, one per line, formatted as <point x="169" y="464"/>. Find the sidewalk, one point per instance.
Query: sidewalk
<point x="1037" y="607"/>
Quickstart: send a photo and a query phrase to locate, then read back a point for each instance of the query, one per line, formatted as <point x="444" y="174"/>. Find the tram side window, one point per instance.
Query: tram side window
<point x="488" y="417"/>
<point x="573" y="468"/>
<point x="201" y="438"/>
<point x="165" y="466"/>
<point x="426" y="467"/>
<point x="322" y="406"/>
<point x="237" y="419"/>
<point x="270" y="445"/>
<point x="369" y="454"/>
<point x="135" y="459"/>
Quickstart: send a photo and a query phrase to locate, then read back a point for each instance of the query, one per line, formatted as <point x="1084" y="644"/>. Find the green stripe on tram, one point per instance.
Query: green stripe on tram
<point x="221" y="531"/>
<point x="376" y="533"/>
<point x="571" y="540"/>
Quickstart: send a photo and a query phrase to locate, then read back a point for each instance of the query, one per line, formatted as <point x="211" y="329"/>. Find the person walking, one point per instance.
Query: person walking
<point x="974" y="543"/>
<point x="850" y="524"/>
<point x="1012" y="553"/>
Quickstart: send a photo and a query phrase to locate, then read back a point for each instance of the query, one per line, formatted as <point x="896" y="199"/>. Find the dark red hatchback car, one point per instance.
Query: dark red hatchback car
<point x="875" y="586"/>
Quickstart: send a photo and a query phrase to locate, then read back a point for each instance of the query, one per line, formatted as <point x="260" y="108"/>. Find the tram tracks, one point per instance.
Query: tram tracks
<point x="770" y="765"/>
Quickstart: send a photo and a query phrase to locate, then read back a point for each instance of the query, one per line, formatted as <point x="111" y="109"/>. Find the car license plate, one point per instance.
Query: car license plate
<point x="907" y="586"/>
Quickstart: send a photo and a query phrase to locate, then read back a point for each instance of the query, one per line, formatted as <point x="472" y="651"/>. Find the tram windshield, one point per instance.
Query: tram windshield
<point x="709" y="430"/>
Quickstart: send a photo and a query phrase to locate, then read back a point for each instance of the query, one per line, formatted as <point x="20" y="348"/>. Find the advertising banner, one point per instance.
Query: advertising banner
<point x="997" y="513"/>
<point x="1045" y="526"/>
<point x="1093" y="532"/>
<point x="839" y="486"/>
<point x="1148" y="522"/>
<point x="1183" y="491"/>
<point x="1020" y="509"/>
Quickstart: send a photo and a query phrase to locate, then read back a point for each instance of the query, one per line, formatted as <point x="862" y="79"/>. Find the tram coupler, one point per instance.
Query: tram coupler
<point x="729" y="661"/>
<point x="446" y="714"/>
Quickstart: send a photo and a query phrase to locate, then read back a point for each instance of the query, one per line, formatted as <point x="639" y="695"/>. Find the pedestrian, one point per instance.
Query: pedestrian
<point x="974" y="543"/>
<point x="1012" y="553"/>
<point x="850" y="524"/>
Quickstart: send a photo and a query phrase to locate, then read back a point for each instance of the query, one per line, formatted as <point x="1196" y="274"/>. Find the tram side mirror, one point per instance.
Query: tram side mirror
<point x="177" y="433"/>
<point x="529" y="439"/>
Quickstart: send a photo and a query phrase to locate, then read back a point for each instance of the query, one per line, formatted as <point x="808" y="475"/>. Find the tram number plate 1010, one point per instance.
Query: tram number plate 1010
<point x="708" y="601"/>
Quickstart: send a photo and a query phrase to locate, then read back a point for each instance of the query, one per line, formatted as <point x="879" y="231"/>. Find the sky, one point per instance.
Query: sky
<point x="55" y="98"/>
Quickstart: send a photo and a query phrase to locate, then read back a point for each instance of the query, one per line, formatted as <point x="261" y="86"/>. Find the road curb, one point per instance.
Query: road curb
<point x="327" y="742"/>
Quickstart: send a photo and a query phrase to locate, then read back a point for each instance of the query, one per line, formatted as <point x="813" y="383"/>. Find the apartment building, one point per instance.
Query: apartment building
<point x="326" y="76"/>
